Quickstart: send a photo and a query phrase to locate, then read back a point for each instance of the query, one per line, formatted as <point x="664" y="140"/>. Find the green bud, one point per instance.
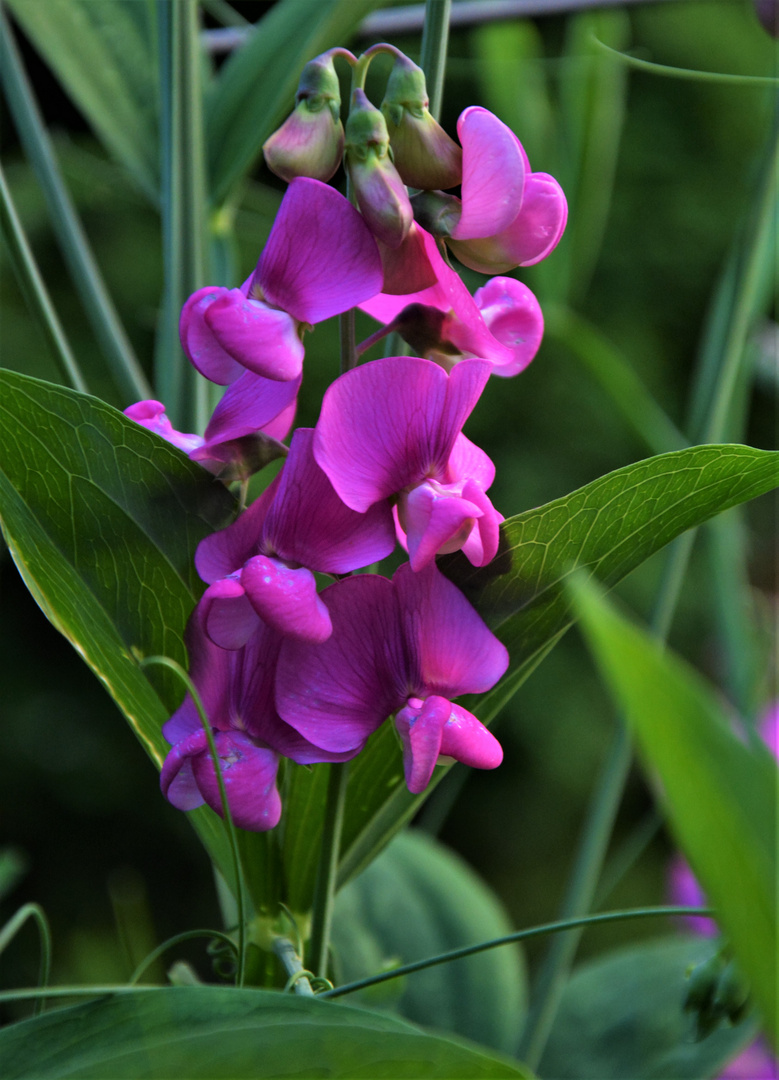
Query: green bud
<point x="381" y="194"/>
<point x="424" y="154"/>
<point x="310" y="141"/>
<point x="436" y="212"/>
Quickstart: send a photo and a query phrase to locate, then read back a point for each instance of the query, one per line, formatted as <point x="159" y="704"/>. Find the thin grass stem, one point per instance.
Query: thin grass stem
<point x="87" y="279"/>
<point x="327" y="872"/>
<point x="12" y="928"/>
<point x="35" y="292"/>
<point x="435" y="44"/>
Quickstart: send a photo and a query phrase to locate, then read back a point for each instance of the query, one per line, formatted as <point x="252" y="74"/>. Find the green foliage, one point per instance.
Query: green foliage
<point x="102" y="518"/>
<point x="610" y="526"/>
<point x="416" y="900"/>
<point x="103" y="54"/>
<point x="622" y="1015"/>
<point x="719" y="794"/>
<point x="211" y="1032"/>
<point x="257" y="86"/>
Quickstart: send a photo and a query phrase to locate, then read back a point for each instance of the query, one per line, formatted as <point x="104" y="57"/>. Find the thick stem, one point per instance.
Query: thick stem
<point x="184" y="208"/>
<point x="290" y="960"/>
<point x="435" y="41"/>
<point x="324" y="893"/>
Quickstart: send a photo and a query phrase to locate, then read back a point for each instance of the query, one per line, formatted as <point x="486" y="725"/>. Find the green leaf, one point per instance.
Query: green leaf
<point x="103" y="54"/>
<point x="102" y="518"/>
<point x="416" y="900"/>
<point x="621" y="1016"/>
<point x="256" y="87"/>
<point x="609" y="526"/>
<point x="213" y="1032"/>
<point x="719" y="794"/>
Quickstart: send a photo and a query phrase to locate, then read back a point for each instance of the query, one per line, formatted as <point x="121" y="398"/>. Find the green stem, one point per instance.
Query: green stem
<point x="291" y="963"/>
<point x="348" y="339"/>
<point x="70" y="234"/>
<point x="35" y="292"/>
<point x="188" y="935"/>
<point x="520" y="935"/>
<point x="165" y="661"/>
<point x="435" y="42"/>
<point x="184" y="207"/>
<point x="324" y="893"/>
<point x="12" y="928"/>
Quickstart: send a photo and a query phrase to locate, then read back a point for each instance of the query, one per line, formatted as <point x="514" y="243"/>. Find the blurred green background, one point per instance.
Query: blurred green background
<point x="659" y="172"/>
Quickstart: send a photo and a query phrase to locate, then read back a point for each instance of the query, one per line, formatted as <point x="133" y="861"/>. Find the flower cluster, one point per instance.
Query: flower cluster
<point x="284" y="669"/>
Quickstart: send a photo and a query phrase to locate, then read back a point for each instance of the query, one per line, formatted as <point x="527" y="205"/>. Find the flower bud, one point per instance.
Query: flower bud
<point x="716" y="994"/>
<point x="310" y="141"/>
<point x="436" y="212"/>
<point x="424" y="154"/>
<point x="380" y="192"/>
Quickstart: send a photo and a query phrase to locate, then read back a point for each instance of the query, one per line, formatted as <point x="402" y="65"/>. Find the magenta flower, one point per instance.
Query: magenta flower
<point x="236" y="689"/>
<point x="244" y="431"/>
<point x="405" y="646"/>
<point x="501" y="323"/>
<point x="508" y="216"/>
<point x="393" y="428"/>
<point x="320" y="260"/>
<point x="261" y="566"/>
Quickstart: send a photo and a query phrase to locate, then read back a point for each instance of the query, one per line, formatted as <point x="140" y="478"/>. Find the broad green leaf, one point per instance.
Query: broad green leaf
<point x="213" y="1032"/>
<point x="102" y="518"/>
<point x="621" y="1016"/>
<point x="103" y="54"/>
<point x="416" y="900"/>
<point x="256" y="87"/>
<point x="610" y="527"/>
<point x="719" y="794"/>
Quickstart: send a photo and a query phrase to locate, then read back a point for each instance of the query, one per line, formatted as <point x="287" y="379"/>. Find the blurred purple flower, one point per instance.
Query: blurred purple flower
<point x="405" y="646"/>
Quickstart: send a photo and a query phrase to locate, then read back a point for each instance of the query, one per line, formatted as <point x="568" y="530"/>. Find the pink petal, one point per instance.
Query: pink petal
<point x="408" y="268"/>
<point x="320" y="258"/>
<point x="513" y="317"/>
<point x="391" y="423"/>
<point x="209" y="670"/>
<point x="469" y="461"/>
<point x="151" y="415"/>
<point x="436" y="521"/>
<point x="493" y="175"/>
<point x="530" y="237"/>
<point x="286" y="599"/>
<point x="337" y="693"/>
<point x="481" y="546"/>
<point x="457" y="653"/>
<point x="249" y="774"/>
<point x="308" y="523"/>
<point x="251" y="404"/>
<point x="224" y="552"/>
<point x="537" y="229"/>
<point x="467" y="740"/>
<point x="260" y="338"/>
<point x="385" y="306"/>
<point x="420" y="726"/>
<point x="198" y="340"/>
<point x="177" y="780"/>
<point x="229" y="618"/>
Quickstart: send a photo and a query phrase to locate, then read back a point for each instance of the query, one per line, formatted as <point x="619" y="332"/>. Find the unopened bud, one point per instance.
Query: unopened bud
<point x="436" y="212"/>
<point x="310" y="141"/>
<point x="424" y="154"/>
<point x="424" y="328"/>
<point x="380" y="192"/>
<point x="716" y="994"/>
